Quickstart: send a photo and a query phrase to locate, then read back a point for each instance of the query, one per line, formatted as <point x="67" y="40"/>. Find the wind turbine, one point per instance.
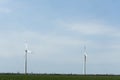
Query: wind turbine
<point x="85" y="61"/>
<point x="26" y="53"/>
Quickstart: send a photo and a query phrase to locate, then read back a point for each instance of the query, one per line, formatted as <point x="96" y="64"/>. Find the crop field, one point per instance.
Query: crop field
<point x="56" y="77"/>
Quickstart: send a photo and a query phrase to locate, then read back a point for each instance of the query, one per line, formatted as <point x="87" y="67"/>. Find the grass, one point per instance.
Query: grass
<point x="57" y="77"/>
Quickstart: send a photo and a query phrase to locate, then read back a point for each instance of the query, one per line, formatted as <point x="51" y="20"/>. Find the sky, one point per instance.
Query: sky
<point x="56" y="32"/>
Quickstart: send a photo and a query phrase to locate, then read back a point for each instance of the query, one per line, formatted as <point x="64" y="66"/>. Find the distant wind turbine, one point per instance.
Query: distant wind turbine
<point x="26" y="53"/>
<point x="85" y="61"/>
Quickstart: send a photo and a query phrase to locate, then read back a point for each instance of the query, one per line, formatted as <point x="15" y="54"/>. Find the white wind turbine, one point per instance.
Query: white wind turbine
<point x="26" y="53"/>
<point x="85" y="61"/>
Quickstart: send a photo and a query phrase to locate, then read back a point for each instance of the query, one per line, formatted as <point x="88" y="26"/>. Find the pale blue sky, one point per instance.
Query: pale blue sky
<point x="56" y="32"/>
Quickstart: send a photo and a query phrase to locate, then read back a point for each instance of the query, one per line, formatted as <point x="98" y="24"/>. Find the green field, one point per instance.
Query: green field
<point x="56" y="77"/>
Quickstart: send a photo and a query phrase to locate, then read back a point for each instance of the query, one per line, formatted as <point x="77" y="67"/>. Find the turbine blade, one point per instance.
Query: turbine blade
<point x="85" y="52"/>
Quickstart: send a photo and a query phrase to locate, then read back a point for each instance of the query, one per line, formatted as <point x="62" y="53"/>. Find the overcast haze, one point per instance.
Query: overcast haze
<point x="56" y="32"/>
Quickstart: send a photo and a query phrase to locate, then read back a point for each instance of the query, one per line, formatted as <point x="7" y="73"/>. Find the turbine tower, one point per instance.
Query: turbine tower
<point x="85" y="61"/>
<point x="26" y="53"/>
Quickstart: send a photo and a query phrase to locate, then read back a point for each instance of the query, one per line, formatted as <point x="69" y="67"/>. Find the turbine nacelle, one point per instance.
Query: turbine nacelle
<point x="26" y="48"/>
<point x="28" y="51"/>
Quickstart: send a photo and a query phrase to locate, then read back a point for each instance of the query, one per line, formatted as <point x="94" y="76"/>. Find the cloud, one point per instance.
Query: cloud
<point x="12" y="43"/>
<point x="102" y="40"/>
<point x="89" y="28"/>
